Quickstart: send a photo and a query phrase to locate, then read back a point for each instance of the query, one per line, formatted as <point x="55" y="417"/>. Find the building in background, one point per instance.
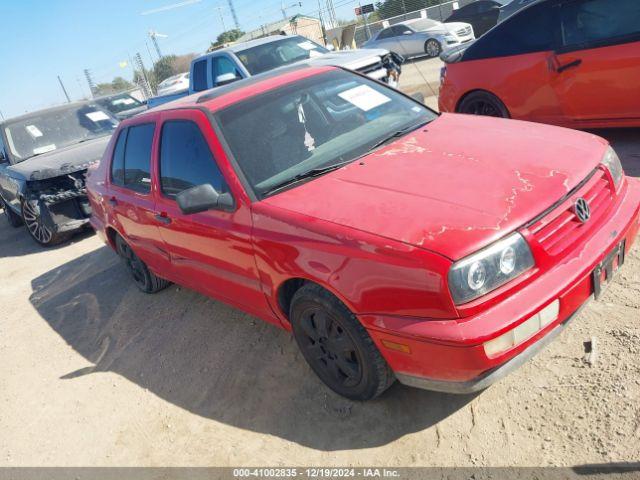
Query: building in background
<point x="309" y="27"/>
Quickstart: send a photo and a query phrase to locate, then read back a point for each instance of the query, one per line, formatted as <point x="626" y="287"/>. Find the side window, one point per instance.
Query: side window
<point x="200" y="75"/>
<point x="531" y="30"/>
<point x="483" y="7"/>
<point x="185" y="159"/>
<point x="137" y="157"/>
<point x="117" y="162"/>
<point x="386" y="33"/>
<point x="3" y="152"/>
<point x="222" y="65"/>
<point x="587" y="22"/>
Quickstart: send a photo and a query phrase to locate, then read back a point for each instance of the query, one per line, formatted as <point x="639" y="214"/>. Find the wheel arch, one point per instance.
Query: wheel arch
<point x="479" y="90"/>
<point x="285" y="291"/>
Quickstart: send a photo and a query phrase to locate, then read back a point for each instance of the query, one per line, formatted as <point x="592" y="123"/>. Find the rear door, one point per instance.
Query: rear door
<point x="130" y="199"/>
<point x="211" y="251"/>
<point x="597" y="65"/>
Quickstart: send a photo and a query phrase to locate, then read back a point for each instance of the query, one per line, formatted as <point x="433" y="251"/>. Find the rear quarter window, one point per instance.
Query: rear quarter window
<point x="131" y="161"/>
<point x="200" y="75"/>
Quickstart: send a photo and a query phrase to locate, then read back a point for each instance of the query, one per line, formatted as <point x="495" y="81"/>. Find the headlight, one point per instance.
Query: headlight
<point x="490" y="268"/>
<point x="612" y="162"/>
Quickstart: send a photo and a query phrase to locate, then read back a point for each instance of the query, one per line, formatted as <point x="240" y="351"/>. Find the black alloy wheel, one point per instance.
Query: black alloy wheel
<point x="336" y="346"/>
<point x="144" y="279"/>
<point x="483" y="103"/>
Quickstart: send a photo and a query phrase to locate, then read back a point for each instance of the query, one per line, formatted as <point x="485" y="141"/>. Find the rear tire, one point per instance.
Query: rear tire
<point x="144" y="278"/>
<point x="483" y="103"/>
<point x="432" y="48"/>
<point x="12" y="217"/>
<point x="336" y="346"/>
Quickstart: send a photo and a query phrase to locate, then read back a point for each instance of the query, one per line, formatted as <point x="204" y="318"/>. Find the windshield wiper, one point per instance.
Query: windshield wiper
<point x="399" y="133"/>
<point x="315" y="172"/>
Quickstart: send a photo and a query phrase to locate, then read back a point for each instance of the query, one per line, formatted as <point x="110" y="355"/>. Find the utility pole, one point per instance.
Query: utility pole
<point x="1" y="115"/>
<point x="233" y="14"/>
<point x="145" y="85"/>
<point x="92" y="86"/>
<point x="220" y="8"/>
<point x="154" y="38"/>
<point x="284" y="9"/>
<point x="64" y="89"/>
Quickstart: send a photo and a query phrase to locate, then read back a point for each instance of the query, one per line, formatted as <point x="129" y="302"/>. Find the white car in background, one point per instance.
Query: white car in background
<point x="421" y="36"/>
<point x="174" y="84"/>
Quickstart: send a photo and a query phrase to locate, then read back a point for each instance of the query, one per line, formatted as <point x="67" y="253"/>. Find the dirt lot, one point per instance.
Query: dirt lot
<point x="94" y="372"/>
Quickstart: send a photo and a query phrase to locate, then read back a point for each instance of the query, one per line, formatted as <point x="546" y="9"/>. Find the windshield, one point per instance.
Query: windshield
<point x="276" y="54"/>
<point x="328" y="119"/>
<point x="119" y="103"/>
<point x="54" y="129"/>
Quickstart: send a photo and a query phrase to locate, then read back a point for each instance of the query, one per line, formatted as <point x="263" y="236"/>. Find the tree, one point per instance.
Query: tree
<point x="164" y="68"/>
<point x="117" y="85"/>
<point x="226" y="37"/>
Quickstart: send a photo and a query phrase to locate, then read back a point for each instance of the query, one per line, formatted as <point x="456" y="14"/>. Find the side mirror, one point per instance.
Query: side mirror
<point x="407" y="32"/>
<point x="226" y="78"/>
<point x="202" y="198"/>
<point x="418" y="97"/>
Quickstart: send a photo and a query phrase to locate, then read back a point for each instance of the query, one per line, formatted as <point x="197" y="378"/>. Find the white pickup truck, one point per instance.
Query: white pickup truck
<point x="246" y="59"/>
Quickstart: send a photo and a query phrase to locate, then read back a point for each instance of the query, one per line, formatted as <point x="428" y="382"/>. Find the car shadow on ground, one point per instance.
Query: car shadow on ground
<point x="215" y="361"/>
<point x="16" y="242"/>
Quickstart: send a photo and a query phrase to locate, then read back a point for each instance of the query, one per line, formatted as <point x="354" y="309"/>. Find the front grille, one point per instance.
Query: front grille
<point x="463" y="32"/>
<point x="370" y="68"/>
<point x="560" y="229"/>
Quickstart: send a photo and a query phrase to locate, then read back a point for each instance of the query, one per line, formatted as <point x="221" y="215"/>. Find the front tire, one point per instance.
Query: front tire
<point x="483" y="103"/>
<point x="432" y="48"/>
<point x="37" y="226"/>
<point x="336" y="346"/>
<point x="144" y="278"/>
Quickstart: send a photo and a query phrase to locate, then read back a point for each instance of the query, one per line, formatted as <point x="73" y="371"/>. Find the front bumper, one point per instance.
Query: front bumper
<point x="66" y="215"/>
<point x="449" y="356"/>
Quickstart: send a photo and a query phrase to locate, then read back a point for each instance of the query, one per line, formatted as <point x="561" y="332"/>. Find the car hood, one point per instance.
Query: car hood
<point x="351" y="59"/>
<point x="59" y="162"/>
<point x="453" y="186"/>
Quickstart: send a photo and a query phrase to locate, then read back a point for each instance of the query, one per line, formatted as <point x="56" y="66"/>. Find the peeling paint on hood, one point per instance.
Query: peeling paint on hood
<point x="453" y="186"/>
<point x="60" y="162"/>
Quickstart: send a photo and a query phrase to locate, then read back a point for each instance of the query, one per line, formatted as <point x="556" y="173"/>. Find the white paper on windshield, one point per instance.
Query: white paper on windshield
<point x="33" y="131"/>
<point x="97" y="116"/>
<point x="123" y="101"/>
<point x="315" y="53"/>
<point x="307" y="45"/>
<point x="45" y="149"/>
<point x="364" y="97"/>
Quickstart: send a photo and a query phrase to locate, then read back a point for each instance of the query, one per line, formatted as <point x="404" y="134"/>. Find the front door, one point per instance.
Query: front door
<point x="598" y="64"/>
<point x="211" y="251"/>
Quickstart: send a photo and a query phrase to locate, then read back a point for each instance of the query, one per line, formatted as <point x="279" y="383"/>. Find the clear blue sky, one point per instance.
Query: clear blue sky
<point x="45" y="38"/>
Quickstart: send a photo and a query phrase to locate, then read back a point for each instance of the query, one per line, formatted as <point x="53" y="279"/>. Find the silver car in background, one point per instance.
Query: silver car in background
<point x="421" y="36"/>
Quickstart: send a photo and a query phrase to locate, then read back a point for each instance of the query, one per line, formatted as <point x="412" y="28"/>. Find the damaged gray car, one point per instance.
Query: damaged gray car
<point x="44" y="157"/>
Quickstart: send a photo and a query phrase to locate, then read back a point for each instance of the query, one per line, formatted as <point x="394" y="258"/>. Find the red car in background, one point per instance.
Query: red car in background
<point x="574" y="63"/>
<point x="442" y="251"/>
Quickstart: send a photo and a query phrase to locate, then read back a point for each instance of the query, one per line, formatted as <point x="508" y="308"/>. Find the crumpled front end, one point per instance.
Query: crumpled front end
<point x="61" y="201"/>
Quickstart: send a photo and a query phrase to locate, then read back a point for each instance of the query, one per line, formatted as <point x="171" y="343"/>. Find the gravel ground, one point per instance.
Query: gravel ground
<point x="96" y="373"/>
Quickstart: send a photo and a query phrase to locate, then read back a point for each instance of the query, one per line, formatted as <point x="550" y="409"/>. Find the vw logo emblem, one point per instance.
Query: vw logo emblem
<point x="582" y="210"/>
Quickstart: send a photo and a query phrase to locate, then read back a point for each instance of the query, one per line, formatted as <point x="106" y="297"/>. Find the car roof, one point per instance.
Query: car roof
<point x="238" y="47"/>
<point x="220" y="97"/>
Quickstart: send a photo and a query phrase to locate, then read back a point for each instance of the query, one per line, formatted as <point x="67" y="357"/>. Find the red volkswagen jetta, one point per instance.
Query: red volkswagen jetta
<point x="442" y="251"/>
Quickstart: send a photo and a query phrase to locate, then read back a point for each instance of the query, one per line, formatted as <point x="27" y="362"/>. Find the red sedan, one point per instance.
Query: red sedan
<point x="442" y="251"/>
<point x="572" y="63"/>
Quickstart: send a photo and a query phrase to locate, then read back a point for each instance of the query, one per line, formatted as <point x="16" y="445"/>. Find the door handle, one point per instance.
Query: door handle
<point x="113" y="202"/>
<point x="162" y="218"/>
<point x="567" y="66"/>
